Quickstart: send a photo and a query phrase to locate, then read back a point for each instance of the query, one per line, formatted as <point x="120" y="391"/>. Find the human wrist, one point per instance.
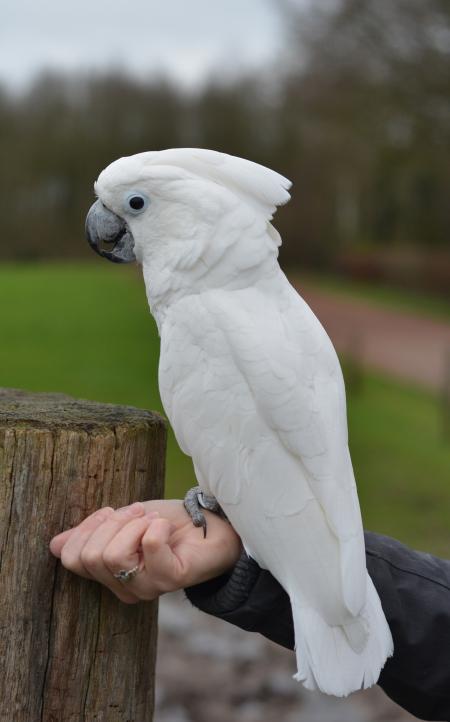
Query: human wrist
<point x="226" y="543"/>
<point x="227" y="591"/>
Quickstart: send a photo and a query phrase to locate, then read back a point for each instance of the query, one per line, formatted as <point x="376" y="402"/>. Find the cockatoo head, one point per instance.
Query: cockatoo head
<point x="179" y="211"/>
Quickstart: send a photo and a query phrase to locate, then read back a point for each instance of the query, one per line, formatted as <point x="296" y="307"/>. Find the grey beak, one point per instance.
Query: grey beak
<point x="105" y="227"/>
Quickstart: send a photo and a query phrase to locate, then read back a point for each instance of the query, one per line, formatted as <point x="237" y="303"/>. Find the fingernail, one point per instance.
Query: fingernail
<point x="103" y="514"/>
<point x="133" y="509"/>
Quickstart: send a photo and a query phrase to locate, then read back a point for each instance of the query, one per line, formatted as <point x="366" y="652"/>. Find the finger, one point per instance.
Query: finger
<point x="114" y="560"/>
<point x="89" y="523"/>
<point x="82" y="530"/>
<point x="92" y="553"/>
<point x="161" y="564"/>
<point x="125" y="549"/>
<point x="86" y="546"/>
<point x="71" y="553"/>
<point x="58" y="541"/>
<point x="125" y="552"/>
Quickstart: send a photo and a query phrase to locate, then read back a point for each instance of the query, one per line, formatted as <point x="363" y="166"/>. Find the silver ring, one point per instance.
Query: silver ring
<point x="125" y="575"/>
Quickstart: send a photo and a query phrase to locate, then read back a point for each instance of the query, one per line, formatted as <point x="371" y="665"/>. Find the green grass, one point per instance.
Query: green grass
<point x="395" y="298"/>
<point x="401" y="457"/>
<point x="85" y="329"/>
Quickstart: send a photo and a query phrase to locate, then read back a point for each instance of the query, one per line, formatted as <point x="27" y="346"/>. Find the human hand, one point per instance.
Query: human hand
<point x="156" y="535"/>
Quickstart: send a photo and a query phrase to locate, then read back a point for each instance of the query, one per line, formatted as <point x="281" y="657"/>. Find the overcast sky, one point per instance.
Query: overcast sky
<point x="187" y="39"/>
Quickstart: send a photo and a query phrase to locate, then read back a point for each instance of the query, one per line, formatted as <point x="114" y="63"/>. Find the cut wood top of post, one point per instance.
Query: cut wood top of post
<point x="50" y="410"/>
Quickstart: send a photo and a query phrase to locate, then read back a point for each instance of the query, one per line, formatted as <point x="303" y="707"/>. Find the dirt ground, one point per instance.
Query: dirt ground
<point x="401" y="344"/>
<point x="210" y="671"/>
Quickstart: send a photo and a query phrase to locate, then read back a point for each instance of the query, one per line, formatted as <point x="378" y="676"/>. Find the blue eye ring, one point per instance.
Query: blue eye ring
<point x="136" y="202"/>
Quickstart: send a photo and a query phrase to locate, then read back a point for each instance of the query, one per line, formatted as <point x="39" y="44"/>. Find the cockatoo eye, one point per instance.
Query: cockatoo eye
<point x="136" y="203"/>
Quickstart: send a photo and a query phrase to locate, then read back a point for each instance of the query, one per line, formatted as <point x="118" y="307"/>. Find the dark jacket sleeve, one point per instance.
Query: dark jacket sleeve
<point x="414" y="589"/>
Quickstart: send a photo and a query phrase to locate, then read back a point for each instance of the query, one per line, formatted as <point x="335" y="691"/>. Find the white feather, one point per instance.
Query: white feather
<point x="253" y="388"/>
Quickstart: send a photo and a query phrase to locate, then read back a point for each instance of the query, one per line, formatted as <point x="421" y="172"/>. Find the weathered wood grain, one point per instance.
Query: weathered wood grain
<point x="69" y="649"/>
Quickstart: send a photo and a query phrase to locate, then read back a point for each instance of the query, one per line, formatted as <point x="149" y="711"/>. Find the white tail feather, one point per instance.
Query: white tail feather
<point x="336" y="660"/>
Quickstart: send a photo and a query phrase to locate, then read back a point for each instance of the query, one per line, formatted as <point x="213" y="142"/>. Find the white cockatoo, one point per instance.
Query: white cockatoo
<point x="253" y="389"/>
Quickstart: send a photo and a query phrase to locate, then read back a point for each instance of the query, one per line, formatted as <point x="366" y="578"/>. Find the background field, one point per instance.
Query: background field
<point x="85" y="329"/>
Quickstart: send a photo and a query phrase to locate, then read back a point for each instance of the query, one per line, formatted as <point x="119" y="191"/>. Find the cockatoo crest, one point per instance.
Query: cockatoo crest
<point x="262" y="187"/>
<point x="207" y="219"/>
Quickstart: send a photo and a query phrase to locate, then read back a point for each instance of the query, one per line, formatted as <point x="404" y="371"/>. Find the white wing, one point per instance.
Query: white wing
<point x="291" y="368"/>
<point x="255" y="395"/>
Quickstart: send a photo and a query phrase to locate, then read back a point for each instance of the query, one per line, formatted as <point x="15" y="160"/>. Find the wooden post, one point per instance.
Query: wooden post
<point x="69" y="649"/>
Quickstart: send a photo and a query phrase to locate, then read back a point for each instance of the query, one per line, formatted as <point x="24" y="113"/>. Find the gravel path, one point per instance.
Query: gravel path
<point x="209" y="671"/>
<point x="399" y="343"/>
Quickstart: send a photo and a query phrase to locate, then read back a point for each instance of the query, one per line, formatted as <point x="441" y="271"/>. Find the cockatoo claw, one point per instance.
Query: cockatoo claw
<point x="195" y="499"/>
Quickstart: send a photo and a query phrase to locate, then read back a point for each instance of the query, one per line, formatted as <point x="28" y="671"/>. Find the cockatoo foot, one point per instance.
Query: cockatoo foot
<point x="195" y="500"/>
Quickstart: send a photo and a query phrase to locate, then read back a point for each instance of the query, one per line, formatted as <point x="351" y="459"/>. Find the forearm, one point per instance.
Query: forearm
<point x="414" y="589"/>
